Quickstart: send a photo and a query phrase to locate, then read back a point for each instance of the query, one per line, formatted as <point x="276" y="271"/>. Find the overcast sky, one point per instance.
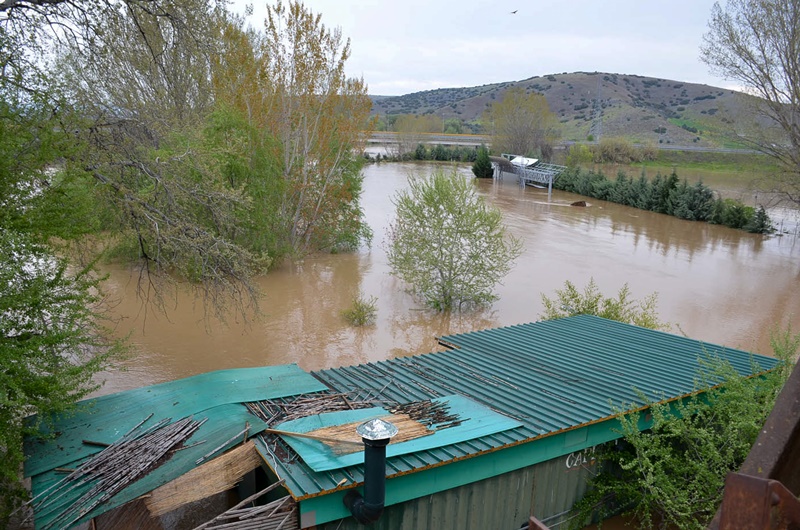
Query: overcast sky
<point x="404" y="46"/>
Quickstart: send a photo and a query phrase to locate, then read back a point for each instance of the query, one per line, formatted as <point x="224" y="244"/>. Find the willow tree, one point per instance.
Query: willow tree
<point x="319" y="118"/>
<point x="756" y="44"/>
<point x="137" y="95"/>
<point x="100" y="143"/>
<point x="522" y="124"/>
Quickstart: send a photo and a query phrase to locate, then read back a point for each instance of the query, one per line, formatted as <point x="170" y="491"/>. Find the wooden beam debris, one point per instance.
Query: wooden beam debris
<point x="215" y="476"/>
<point x="282" y="514"/>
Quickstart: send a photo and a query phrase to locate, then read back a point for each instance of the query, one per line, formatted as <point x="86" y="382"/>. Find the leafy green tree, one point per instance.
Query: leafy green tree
<point x="52" y="339"/>
<point x="579" y="155"/>
<point x="453" y="126"/>
<point x="448" y="244"/>
<point x="522" y="124"/>
<point x="51" y="344"/>
<point x="136" y="133"/>
<point x="570" y="301"/>
<point x="674" y="472"/>
<point x="133" y="88"/>
<point x="482" y="167"/>
<point x="754" y="44"/>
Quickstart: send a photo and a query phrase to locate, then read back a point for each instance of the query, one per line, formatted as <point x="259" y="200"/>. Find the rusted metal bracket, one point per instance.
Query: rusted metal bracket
<point x="753" y="503"/>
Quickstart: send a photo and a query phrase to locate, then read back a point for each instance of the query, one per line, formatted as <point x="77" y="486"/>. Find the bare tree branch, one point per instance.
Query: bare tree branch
<point x="757" y="43"/>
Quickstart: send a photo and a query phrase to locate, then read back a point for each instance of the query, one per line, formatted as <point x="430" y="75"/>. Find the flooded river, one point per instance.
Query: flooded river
<point x="715" y="284"/>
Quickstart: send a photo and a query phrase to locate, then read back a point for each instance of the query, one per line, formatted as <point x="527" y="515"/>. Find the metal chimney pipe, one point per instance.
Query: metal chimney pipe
<point x="368" y="508"/>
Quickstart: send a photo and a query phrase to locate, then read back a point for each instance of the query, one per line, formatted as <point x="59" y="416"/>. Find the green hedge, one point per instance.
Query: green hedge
<point x="668" y="195"/>
<point x="435" y="152"/>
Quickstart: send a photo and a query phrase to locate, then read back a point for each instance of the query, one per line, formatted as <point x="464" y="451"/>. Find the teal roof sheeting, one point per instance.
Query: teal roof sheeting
<point x="224" y="422"/>
<point x="552" y="376"/>
<point x="108" y="418"/>
<point x="478" y="421"/>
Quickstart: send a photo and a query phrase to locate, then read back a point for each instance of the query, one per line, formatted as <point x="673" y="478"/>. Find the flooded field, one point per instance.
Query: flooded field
<point x="715" y="284"/>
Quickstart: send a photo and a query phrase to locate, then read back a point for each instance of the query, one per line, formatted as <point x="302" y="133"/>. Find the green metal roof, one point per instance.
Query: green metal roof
<point x="560" y="377"/>
<point x="559" y="381"/>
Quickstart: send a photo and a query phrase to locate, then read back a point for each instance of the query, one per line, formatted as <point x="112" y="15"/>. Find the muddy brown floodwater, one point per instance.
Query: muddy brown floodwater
<point x="715" y="284"/>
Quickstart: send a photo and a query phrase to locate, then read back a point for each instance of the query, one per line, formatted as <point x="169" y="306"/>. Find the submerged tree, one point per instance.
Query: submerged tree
<point x="319" y="118"/>
<point x="448" y="244"/>
<point x="127" y="136"/>
<point x="138" y="98"/>
<point x="755" y="43"/>
<point x="482" y="167"/>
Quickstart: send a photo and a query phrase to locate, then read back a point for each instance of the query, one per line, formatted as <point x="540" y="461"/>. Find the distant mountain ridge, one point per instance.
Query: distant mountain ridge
<point x="590" y="105"/>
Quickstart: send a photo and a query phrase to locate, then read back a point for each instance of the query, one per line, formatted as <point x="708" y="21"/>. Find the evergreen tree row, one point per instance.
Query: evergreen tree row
<point x="668" y="195"/>
<point x="442" y="153"/>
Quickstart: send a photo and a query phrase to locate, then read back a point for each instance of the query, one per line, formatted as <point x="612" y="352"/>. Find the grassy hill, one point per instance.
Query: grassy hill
<point x="595" y="104"/>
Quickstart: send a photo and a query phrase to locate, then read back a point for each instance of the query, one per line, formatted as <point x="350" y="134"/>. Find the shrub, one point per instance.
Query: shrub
<point x="649" y="152"/>
<point x="362" y="312"/>
<point x="731" y="213"/>
<point x="616" y="151"/>
<point x="674" y="472"/>
<point x="760" y="223"/>
<point x="569" y="302"/>
<point x="578" y="154"/>
<point x="482" y="167"/>
<point x="666" y="195"/>
<point x="694" y="203"/>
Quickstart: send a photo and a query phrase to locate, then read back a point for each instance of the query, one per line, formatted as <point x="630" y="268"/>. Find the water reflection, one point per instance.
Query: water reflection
<point x="716" y="284"/>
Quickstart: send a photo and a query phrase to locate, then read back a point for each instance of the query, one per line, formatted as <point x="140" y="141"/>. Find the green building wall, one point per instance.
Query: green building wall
<point x="504" y="502"/>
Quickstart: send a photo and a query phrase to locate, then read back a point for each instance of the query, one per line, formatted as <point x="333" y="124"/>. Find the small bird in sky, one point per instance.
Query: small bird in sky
<point x="514" y="12"/>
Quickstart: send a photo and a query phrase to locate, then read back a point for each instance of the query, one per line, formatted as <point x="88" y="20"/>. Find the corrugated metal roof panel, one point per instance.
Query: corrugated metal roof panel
<point x="551" y="376"/>
<point x="223" y="422"/>
<point x="107" y="418"/>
